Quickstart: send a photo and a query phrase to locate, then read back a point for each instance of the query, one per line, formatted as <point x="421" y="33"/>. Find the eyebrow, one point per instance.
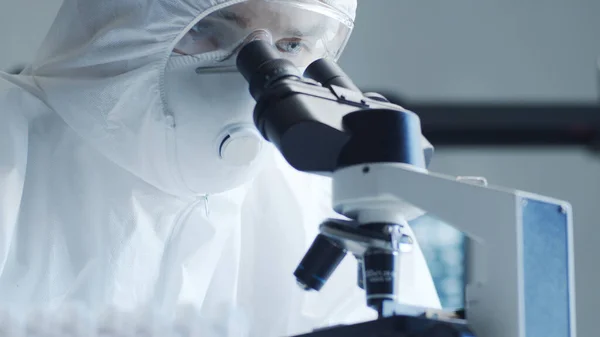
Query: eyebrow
<point x="317" y="30"/>
<point x="233" y="17"/>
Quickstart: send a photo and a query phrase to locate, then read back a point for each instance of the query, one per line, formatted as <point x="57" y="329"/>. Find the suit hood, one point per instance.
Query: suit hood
<point x="101" y="69"/>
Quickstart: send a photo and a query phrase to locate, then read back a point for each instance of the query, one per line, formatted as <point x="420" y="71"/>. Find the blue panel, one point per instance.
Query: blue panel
<point x="546" y="263"/>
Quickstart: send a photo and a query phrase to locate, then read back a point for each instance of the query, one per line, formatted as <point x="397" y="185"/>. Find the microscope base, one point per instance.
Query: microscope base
<point x="398" y="326"/>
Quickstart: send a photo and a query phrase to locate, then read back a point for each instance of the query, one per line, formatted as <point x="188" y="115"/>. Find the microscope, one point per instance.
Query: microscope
<point x="521" y="278"/>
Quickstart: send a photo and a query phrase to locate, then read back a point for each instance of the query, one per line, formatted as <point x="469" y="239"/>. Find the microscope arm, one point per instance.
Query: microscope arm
<point x="522" y="283"/>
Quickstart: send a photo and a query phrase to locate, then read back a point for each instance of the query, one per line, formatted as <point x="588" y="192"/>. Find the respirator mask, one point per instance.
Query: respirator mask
<point x="217" y="146"/>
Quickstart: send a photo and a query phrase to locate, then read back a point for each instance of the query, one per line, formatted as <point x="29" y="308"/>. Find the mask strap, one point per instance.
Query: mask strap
<point x="180" y="61"/>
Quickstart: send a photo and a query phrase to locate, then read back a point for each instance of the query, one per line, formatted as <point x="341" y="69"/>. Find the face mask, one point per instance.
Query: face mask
<point x="217" y="145"/>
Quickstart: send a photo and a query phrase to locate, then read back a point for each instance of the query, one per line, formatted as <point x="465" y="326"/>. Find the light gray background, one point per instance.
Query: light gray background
<point x="459" y="50"/>
<point x="469" y="49"/>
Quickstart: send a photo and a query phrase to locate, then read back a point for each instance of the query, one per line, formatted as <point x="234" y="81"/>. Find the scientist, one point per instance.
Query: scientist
<point x="131" y="175"/>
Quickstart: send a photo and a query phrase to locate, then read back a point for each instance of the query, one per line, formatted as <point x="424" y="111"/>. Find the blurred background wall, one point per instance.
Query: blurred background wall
<point x="476" y="50"/>
<point x="461" y="50"/>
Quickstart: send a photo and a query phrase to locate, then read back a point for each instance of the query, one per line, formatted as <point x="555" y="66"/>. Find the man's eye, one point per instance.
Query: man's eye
<point x="200" y="28"/>
<point x="290" y="46"/>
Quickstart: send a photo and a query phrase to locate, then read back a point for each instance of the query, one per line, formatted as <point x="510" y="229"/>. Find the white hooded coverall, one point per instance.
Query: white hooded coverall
<point x="92" y="210"/>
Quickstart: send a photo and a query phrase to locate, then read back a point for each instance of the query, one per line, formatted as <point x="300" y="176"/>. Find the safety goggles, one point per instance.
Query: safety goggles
<point x="301" y="30"/>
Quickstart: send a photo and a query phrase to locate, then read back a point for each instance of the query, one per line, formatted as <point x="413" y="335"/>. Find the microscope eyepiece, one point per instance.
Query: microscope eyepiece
<point x="261" y="65"/>
<point x="329" y="73"/>
<point x="380" y="277"/>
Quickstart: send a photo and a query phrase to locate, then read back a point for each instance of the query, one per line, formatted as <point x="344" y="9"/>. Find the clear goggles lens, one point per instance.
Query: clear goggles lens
<point x="301" y="30"/>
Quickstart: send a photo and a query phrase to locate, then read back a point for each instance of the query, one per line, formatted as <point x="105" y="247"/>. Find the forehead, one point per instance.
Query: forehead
<point x="253" y="13"/>
<point x="266" y="5"/>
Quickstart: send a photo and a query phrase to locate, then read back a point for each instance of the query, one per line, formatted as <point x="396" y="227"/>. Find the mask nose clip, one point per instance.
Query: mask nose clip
<point x="240" y="145"/>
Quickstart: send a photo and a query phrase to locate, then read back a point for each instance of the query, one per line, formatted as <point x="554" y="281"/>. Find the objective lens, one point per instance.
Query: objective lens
<point x="319" y="263"/>
<point x="380" y="277"/>
<point x="361" y="274"/>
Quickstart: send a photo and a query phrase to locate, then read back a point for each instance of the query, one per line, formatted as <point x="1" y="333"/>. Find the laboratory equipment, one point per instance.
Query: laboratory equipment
<point x="521" y="280"/>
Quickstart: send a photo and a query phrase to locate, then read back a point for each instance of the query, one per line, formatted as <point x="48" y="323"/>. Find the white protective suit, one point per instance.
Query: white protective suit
<point x="94" y="208"/>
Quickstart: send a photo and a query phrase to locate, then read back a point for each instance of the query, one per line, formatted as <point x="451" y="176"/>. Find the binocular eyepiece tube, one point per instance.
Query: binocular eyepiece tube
<point x="329" y="73"/>
<point x="261" y="65"/>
